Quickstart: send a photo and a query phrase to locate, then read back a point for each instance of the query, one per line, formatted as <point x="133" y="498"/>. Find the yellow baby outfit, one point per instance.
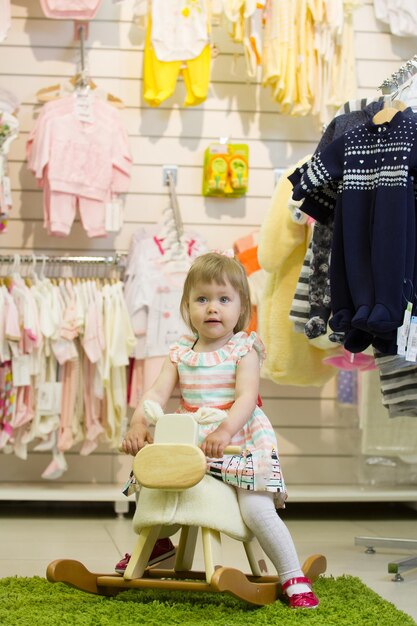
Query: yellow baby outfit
<point x="190" y="56"/>
<point x="291" y="359"/>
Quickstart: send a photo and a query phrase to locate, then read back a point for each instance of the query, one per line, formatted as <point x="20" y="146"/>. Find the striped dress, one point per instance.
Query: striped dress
<point x="208" y="379"/>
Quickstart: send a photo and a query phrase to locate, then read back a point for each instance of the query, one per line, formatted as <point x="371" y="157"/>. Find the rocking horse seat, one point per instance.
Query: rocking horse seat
<point x="211" y="504"/>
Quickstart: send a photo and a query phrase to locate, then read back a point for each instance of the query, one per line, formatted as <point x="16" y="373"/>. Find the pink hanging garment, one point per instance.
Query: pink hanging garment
<point x="70" y="9"/>
<point x="349" y="361"/>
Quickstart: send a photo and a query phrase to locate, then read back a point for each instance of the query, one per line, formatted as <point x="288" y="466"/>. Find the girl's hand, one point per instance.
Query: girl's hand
<point x="215" y="443"/>
<point x="135" y="439"/>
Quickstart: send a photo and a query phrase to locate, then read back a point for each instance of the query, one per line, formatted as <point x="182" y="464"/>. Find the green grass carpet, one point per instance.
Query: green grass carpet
<point x="344" y="601"/>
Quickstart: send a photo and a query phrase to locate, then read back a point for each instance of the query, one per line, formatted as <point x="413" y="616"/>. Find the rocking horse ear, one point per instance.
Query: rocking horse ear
<point x="170" y="466"/>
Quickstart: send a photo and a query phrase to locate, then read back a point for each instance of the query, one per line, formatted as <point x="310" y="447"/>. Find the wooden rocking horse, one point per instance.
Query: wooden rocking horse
<point x="176" y="493"/>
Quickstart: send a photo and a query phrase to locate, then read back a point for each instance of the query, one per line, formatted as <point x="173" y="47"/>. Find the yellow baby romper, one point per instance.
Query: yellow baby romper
<point x="160" y="77"/>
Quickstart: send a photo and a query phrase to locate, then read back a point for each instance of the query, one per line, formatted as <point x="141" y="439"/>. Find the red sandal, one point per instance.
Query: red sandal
<point x="306" y="600"/>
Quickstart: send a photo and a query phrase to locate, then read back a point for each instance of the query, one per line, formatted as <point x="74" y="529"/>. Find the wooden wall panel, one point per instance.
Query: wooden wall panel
<point x="319" y="440"/>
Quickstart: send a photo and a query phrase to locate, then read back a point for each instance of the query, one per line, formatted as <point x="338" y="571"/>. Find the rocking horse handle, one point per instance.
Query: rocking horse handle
<point x="232" y="450"/>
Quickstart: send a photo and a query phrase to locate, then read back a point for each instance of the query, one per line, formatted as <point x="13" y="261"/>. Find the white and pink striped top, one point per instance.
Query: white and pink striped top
<point x="209" y="379"/>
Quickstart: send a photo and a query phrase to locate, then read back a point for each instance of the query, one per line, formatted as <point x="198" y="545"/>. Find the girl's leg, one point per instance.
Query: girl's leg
<point x="259" y="514"/>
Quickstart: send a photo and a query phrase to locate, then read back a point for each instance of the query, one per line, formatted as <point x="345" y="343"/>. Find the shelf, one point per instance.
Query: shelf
<point x="352" y="493"/>
<point x="297" y="493"/>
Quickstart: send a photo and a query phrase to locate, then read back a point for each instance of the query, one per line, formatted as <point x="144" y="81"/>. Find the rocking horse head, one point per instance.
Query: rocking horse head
<point x="174" y="462"/>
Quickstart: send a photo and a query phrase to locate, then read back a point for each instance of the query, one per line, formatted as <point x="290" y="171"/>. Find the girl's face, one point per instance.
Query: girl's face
<point x="214" y="310"/>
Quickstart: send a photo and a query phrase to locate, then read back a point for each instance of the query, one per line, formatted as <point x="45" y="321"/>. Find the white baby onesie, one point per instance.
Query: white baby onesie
<point x="179" y="29"/>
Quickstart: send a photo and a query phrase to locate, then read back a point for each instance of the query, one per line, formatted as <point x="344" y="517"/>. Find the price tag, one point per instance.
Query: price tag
<point x="7" y="191"/>
<point x="402" y="332"/>
<point x="218" y="148"/>
<point x="114" y="215"/>
<point x="411" y="350"/>
<point x="21" y="370"/>
<point x="84" y="108"/>
<point x="49" y="398"/>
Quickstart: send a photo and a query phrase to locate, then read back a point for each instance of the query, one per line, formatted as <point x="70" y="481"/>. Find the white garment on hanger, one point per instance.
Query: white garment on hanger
<point x="179" y="29"/>
<point x="8" y="101"/>
<point x="5" y="18"/>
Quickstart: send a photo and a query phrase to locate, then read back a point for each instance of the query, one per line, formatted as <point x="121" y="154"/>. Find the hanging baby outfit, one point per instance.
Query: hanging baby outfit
<point x="177" y="40"/>
<point x="9" y="130"/>
<point x="79" y="163"/>
<point x="373" y="247"/>
<point x="208" y="379"/>
<point x="5" y="19"/>
<point x="71" y="9"/>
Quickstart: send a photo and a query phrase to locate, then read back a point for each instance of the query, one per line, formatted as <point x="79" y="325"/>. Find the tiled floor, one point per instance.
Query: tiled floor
<point x="33" y="535"/>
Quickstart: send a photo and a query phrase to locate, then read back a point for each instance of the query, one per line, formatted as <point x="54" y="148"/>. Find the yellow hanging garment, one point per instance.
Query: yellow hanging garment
<point x="160" y="77"/>
<point x="291" y="359"/>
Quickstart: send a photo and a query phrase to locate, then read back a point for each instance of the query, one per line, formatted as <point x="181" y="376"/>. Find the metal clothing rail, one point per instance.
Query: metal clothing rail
<point x="55" y="266"/>
<point x="117" y="259"/>
<point x="80" y="34"/>
<point x="400" y="78"/>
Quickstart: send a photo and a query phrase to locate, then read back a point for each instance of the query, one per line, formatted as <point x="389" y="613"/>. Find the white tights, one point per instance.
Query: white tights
<point x="259" y="514"/>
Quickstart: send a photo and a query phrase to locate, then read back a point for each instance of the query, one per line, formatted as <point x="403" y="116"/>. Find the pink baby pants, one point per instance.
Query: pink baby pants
<point x="60" y="209"/>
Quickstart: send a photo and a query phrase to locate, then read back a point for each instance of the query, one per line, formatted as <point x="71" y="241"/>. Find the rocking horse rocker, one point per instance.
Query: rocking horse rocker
<point x="177" y="494"/>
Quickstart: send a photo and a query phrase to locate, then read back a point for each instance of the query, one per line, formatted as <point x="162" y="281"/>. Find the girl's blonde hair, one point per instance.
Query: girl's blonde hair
<point x="216" y="267"/>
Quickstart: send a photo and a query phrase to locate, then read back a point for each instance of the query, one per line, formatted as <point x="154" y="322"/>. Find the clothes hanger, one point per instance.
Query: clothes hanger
<point x="390" y="109"/>
<point x="54" y="92"/>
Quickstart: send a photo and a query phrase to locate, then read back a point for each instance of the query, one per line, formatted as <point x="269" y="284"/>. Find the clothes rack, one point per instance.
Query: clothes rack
<point x="392" y="87"/>
<point x="399" y="79"/>
<point x="107" y="488"/>
<point x="116" y="261"/>
<point x="63" y="259"/>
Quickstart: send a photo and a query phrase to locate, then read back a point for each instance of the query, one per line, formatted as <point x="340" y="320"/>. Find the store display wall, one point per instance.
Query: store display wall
<point x="319" y="441"/>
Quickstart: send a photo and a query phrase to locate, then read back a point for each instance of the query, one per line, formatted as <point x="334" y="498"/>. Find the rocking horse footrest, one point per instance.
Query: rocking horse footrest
<point x="153" y="583"/>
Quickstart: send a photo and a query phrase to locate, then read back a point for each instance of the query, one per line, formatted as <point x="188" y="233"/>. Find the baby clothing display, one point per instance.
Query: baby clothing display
<point x="291" y="358"/>
<point x="313" y="312"/>
<point x="64" y="351"/>
<point x="154" y="280"/>
<point x="373" y="164"/>
<point x="70" y="9"/>
<point x="80" y="158"/>
<point x="245" y="26"/>
<point x="177" y="41"/>
<point x="400" y="15"/>
<point x="308" y="54"/>
<point x="9" y="130"/>
<point x="5" y="18"/>
<point x="179" y="29"/>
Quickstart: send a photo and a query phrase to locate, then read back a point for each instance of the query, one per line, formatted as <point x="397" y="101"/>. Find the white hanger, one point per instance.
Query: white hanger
<point x="42" y="271"/>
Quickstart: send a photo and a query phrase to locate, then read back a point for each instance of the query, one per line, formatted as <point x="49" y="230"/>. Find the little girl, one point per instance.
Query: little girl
<point x="219" y="367"/>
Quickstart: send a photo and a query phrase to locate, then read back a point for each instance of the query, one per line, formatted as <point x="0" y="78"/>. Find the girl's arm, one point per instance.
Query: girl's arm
<point x="246" y="397"/>
<point x="138" y="433"/>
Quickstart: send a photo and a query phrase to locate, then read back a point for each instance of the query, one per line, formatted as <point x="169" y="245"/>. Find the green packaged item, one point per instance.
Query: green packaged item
<point x="226" y="170"/>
